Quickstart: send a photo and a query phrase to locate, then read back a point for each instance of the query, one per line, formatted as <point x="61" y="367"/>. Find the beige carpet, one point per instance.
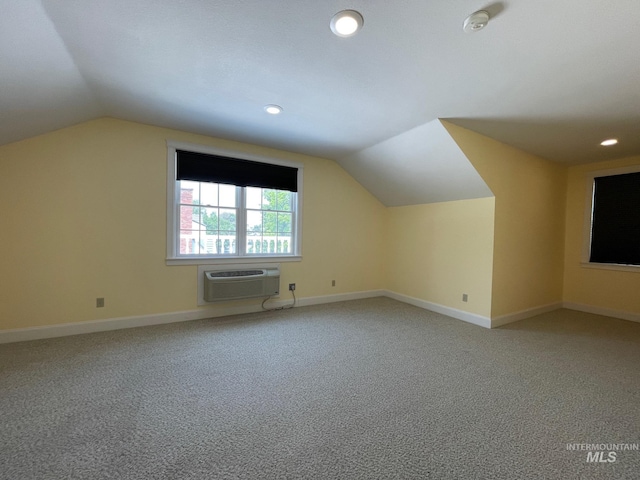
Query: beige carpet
<point x="354" y="390"/>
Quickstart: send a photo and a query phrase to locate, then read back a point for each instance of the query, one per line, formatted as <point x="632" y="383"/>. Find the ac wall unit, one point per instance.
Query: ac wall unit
<point x="220" y="285"/>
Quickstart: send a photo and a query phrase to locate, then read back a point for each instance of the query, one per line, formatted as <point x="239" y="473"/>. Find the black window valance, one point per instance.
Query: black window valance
<point x="204" y="167"/>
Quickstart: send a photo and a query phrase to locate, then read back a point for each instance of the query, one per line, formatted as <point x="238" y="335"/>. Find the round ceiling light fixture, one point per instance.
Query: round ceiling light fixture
<point x="609" y="142"/>
<point x="476" y="21"/>
<point x="346" y="23"/>
<point x="273" y="109"/>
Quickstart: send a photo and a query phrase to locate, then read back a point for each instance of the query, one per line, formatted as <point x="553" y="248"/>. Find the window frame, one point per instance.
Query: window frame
<point x="585" y="260"/>
<point x="173" y="216"/>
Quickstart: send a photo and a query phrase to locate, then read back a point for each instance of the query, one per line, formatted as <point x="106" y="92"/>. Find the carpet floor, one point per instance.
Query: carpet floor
<point x="367" y="389"/>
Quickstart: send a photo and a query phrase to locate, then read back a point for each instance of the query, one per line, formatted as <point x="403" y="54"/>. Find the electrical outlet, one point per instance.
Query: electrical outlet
<point x="465" y="297"/>
<point x="99" y="302"/>
<point x="292" y="286"/>
<point x="333" y="283"/>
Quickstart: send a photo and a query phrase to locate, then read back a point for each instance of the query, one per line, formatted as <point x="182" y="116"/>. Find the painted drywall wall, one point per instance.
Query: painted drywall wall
<point x="84" y="216"/>
<point x="529" y="222"/>
<point x="614" y="290"/>
<point x="437" y="252"/>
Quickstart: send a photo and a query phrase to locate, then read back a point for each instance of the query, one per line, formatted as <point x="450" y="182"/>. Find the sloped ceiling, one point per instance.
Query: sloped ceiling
<point x="417" y="167"/>
<point x="550" y="77"/>
<point x="41" y="88"/>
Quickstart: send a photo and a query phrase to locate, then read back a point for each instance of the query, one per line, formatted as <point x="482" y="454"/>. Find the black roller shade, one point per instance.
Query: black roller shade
<point x="203" y="167"/>
<point x="615" y="232"/>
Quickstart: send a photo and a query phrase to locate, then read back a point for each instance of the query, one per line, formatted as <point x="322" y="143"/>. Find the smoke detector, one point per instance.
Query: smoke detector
<point x="476" y="21"/>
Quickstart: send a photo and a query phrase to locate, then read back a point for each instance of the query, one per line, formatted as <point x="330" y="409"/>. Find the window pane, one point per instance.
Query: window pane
<point x="284" y="200"/>
<point x="286" y="244"/>
<point x="217" y="244"/>
<point x="269" y="200"/>
<point x="209" y="244"/>
<point x="227" y="220"/>
<point x="187" y="216"/>
<point x="270" y="242"/>
<point x="284" y="223"/>
<point x="208" y="193"/>
<point x="227" y="196"/>
<point x="189" y="192"/>
<point x="254" y="221"/>
<point x="227" y="243"/>
<point x="270" y="222"/>
<point x="209" y="220"/>
<point x="189" y="242"/>
<point x="254" y="243"/>
<point x="254" y="197"/>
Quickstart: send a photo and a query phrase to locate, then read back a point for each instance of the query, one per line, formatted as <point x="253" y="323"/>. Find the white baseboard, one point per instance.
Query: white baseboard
<point x="435" y="307"/>
<point x="91" y="326"/>
<point x="608" y="312"/>
<point x="219" y="310"/>
<point x="319" y="300"/>
<point x="521" y="315"/>
<point x="340" y="297"/>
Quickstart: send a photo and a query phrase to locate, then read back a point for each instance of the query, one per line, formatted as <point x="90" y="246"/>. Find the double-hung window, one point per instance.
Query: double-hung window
<point x="223" y="205"/>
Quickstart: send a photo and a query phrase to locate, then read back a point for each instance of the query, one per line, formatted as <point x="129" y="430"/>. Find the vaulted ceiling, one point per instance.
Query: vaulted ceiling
<point x="550" y="77"/>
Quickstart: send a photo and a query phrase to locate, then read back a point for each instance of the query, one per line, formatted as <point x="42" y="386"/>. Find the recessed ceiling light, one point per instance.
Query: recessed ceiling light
<point x="273" y="109"/>
<point x="346" y="23"/>
<point x="609" y="142"/>
<point x="476" y="21"/>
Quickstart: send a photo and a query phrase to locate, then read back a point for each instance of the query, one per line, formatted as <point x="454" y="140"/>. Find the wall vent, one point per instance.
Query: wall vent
<point x="221" y="285"/>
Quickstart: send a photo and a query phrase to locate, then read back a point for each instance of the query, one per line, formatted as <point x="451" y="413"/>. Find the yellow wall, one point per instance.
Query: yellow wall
<point x="529" y="222"/>
<point x="83" y="214"/>
<point x="439" y="251"/>
<point x="609" y="289"/>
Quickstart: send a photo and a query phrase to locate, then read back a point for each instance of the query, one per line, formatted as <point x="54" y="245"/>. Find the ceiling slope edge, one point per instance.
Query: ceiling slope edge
<point x="42" y="88"/>
<point x="422" y="165"/>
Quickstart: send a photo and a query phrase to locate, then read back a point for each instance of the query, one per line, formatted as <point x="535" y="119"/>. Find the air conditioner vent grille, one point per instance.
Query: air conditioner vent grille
<point x="237" y="273"/>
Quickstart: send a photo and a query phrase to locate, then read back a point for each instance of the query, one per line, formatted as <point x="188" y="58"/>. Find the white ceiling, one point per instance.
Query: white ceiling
<point x="550" y="77"/>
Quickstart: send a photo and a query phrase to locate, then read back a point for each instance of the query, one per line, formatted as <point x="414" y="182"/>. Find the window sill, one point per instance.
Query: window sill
<point x="611" y="266"/>
<point x="232" y="260"/>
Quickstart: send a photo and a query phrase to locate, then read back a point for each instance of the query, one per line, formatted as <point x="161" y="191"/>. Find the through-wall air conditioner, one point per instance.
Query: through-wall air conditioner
<point x="220" y="285"/>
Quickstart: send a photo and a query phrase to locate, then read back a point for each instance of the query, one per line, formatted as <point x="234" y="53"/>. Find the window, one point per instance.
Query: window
<point x="225" y="206"/>
<point x="614" y="236"/>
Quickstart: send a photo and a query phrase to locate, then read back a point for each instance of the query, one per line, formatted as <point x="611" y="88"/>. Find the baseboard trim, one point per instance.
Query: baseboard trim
<point x="322" y="299"/>
<point x="219" y="310"/>
<point x="607" y="312"/>
<point x="522" y="314"/>
<point x="340" y="297"/>
<point x="92" y="326"/>
<point x="435" y="307"/>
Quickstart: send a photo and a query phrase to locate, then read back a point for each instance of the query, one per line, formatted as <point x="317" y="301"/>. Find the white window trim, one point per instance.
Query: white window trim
<point x="588" y="218"/>
<point x="173" y="217"/>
